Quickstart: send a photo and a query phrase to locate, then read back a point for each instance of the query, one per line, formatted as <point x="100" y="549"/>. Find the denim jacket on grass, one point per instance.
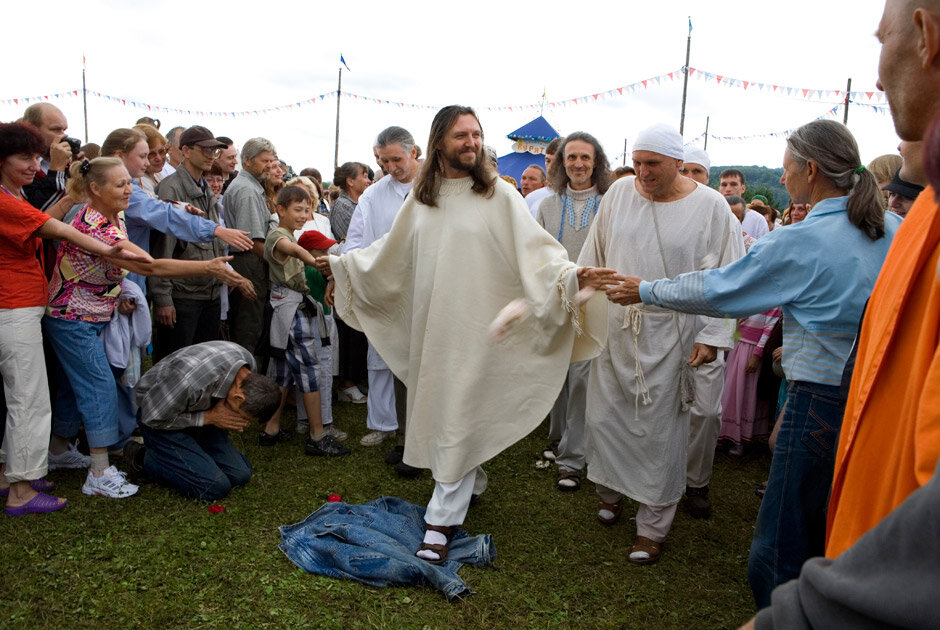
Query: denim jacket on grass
<point x="375" y="543"/>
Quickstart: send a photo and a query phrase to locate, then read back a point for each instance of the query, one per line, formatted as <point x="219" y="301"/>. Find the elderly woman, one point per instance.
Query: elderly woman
<point x="22" y="303"/>
<point x="821" y="270"/>
<point x="82" y="296"/>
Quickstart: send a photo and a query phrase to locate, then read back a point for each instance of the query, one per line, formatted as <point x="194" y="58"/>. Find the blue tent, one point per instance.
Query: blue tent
<point x="514" y="163"/>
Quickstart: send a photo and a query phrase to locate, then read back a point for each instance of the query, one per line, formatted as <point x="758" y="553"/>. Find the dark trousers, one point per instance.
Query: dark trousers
<point x="196" y="321"/>
<point x="199" y="462"/>
<point x="353" y="348"/>
<point x="245" y="317"/>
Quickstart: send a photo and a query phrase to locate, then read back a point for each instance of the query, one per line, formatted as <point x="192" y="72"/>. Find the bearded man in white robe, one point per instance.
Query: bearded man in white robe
<point x="462" y="247"/>
<point x="656" y="224"/>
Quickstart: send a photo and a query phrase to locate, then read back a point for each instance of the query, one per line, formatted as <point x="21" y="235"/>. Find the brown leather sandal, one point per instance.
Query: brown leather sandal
<point x="616" y="508"/>
<point x="440" y="550"/>
<point x="651" y="548"/>
<point x="568" y="480"/>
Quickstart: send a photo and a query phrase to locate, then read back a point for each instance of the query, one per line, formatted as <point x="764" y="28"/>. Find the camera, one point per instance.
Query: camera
<point x="74" y="144"/>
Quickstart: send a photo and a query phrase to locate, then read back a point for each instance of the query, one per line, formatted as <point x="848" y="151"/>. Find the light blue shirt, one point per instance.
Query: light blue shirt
<point x="821" y="271"/>
<point x="145" y="213"/>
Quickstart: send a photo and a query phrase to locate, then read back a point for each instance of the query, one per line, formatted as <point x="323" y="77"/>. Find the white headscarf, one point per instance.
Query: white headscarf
<point x="694" y="155"/>
<point x="662" y="139"/>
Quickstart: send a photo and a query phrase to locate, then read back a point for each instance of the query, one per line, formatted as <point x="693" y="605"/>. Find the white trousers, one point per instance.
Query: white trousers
<point x="380" y="406"/>
<point x="29" y="413"/>
<point x="705" y="422"/>
<point x="450" y="501"/>
<point x="652" y="521"/>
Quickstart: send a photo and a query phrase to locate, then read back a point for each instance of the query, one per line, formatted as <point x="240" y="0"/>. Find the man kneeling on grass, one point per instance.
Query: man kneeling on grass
<point x="187" y="402"/>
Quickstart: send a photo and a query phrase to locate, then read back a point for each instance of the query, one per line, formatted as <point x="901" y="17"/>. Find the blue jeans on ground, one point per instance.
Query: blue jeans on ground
<point x="86" y="392"/>
<point x="791" y="524"/>
<point x="375" y="543"/>
<point x="199" y="462"/>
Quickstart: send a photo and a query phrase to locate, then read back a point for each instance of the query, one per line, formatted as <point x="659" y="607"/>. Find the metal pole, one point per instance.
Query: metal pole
<point x="624" y="151"/>
<point x="85" y="99"/>
<point x="339" y="92"/>
<point x="685" y="82"/>
<point x="845" y="115"/>
<point x="707" y="120"/>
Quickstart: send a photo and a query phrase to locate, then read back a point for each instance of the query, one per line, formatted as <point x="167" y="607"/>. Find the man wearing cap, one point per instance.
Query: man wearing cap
<point x="709" y="382"/>
<point x="187" y="310"/>
<point x="640" y="389"/>
<point x="901" y="194"/>
<point x="376" y="211"/>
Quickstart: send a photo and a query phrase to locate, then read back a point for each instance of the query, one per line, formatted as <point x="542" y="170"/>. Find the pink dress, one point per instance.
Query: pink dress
<point x="744" y="417"/>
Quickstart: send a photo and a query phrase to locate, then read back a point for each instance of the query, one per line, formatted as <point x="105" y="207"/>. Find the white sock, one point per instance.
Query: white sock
<point x="99" y="463"/>
<point x="432" y="537"/>
<point x="606" y="514"/>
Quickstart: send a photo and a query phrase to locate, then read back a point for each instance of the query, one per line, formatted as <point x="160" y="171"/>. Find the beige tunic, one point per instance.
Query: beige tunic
<point x="637" y="431"/>
<point x="426" y="293"/>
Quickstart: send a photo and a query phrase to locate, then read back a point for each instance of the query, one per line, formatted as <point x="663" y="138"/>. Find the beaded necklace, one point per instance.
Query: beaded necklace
<point x="567" y="208"/>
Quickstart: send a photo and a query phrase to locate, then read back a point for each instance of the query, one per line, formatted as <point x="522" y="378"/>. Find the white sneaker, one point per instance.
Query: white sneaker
<point x="70" y="458"/>
<point x="351" y="394"/>
<point x="376" y="437"/>
<point x="338" y="435"/>
<point x="112" y="483"/>
<point x="303" y="427"/>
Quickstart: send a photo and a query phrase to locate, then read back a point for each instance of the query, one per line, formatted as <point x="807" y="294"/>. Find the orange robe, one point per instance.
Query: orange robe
<point x="890" y="438"/>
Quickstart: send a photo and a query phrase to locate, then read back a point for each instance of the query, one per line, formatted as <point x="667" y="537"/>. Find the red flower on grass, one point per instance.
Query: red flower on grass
<point x="334" y="498"/>
<point x="215" y="508"/>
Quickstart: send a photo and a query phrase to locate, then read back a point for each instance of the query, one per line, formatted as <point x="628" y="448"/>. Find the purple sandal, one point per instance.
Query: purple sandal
<point x="39" y="485"/>
<point x="42" y="503"/>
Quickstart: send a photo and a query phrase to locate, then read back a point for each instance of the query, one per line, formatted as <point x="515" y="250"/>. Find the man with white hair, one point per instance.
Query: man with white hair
<point x="640" y="388"/>
<point x="705" y="414"/>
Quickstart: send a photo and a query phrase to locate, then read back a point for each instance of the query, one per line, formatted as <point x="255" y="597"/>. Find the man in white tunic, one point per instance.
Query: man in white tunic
<point x="709" y="383"/>
<point x="462" y="247"/>
<point x="657" y="223"/>
<point x="376" y="211"/>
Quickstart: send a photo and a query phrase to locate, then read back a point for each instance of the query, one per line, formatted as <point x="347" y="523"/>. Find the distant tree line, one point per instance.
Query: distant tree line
<point x="760" y="180"/>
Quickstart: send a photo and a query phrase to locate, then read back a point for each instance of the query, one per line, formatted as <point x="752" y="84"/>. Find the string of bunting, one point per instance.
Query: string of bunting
<point x="773" y="134"/>
<point x="857" y="97"/>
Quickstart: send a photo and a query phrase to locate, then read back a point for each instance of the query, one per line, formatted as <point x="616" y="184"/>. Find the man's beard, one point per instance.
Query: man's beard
<point x="456" y="163"/>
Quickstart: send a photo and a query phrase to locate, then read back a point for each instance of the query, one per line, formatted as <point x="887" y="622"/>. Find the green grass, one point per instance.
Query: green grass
<point x="161" y="561"/>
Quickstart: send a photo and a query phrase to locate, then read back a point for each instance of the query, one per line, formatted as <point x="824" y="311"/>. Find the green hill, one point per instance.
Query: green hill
<point x="760" y="180"/>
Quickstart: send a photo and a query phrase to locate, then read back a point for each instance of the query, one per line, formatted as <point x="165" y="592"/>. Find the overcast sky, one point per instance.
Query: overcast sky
<point x="242" y="56"/>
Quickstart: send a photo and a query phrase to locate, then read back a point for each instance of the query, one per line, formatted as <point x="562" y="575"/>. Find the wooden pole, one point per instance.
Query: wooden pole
<point x="85" y="99"/>
<point x="339" y="92"/>
<point x="707" y="120"/>
<point x="624" y="151"/>
<point x="685" y="81"/>
<point x="845" y="115"/>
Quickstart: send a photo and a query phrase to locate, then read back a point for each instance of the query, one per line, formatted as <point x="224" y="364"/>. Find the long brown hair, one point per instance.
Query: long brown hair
<point x="428" y="181"/>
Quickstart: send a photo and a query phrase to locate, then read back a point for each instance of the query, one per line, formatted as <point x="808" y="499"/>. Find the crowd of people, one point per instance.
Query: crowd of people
<point x="650" y="317"/>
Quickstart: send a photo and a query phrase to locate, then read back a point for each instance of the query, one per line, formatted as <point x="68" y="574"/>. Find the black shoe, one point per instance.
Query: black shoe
<point x="405" y="471"/>
<point x="327" y="446"/>
<point x="697" y="502"/>
<point x="134" y="453"/>
<point x="394" y="456"/>
<point x="266" y="439"/>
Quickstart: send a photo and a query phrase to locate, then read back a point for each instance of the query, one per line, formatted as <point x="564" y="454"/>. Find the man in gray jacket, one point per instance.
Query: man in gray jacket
<point x="187" y="310"/>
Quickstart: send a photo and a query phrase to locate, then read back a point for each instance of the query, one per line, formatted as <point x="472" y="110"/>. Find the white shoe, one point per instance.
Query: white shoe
<point x="338" y="435"/>
<point x="351" y="394"/>
<point x="70" y="458"/>
<point x="112" y="483"/>
<point x="376" y="437"/>
<point x="303" y="427"/>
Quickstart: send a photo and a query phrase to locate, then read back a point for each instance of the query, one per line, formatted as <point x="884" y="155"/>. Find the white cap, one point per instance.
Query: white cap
<point x="662" y="139"/>
<point x="694" y="155"/>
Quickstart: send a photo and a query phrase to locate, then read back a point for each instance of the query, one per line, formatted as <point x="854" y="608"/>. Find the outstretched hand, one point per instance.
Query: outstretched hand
<point x="322" y="264"/>
<point x="625" y="291"/>
<point x="239" y="239"/>
<point x="598" y="278"/>
<point x="220" y="268"/>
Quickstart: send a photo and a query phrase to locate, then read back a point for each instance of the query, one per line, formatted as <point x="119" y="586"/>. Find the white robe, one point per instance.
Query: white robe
<point x="426" y="293"/>
<point x="634" y="448"/>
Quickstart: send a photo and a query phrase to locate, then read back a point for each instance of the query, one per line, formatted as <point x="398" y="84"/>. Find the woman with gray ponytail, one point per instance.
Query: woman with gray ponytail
<point x="821" y="271"/>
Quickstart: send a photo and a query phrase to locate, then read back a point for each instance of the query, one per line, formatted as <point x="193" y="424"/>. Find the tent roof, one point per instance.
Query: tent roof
<point x="513" y="164"/>
<point x="537" y="129"/>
